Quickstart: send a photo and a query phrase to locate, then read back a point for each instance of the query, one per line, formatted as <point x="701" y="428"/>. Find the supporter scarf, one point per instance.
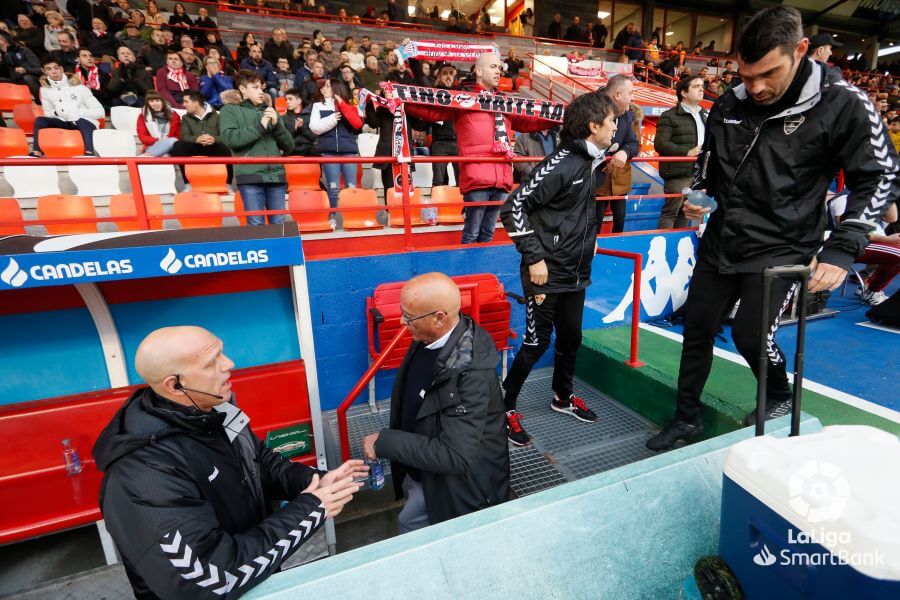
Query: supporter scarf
<point x="99" y="33"/>
<point x="484" y="100"/>
<point x="92" y="81"/>
<point x="179" y="77"/>
<point x="443" y="51"/>
<point x="399" y="136"/>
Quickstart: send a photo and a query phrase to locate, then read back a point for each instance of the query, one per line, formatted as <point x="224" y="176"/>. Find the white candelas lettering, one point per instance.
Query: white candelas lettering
<point x="81" y="269"/>
<point x="221" y="259"/>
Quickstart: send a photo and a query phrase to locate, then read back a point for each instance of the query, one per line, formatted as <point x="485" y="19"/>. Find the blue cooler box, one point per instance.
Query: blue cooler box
<point x="814" y="516"/>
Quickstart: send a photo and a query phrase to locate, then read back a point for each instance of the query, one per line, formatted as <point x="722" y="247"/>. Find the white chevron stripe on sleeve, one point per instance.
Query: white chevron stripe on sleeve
<point x="180" y="555"/>
<point x="527" y="189"/>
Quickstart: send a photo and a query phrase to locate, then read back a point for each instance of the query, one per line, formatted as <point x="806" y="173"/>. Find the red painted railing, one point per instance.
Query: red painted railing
<point x="633" y="360"/>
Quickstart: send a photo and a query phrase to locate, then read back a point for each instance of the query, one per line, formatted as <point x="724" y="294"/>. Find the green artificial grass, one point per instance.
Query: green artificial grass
<point x="730" y="392"/>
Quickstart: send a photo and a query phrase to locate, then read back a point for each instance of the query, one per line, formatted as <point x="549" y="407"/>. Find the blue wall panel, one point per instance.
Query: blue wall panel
<point x="339" y="287"/>
<point x="47" y="354"/>
<point x="257" y="327"/>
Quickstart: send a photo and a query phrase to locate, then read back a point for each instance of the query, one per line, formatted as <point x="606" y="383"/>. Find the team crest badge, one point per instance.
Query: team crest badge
<point x="539" y="298"/>
<point x="792" y="123"/>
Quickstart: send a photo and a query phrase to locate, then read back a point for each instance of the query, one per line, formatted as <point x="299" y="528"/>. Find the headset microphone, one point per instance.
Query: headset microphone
<point x="179" y="386"/>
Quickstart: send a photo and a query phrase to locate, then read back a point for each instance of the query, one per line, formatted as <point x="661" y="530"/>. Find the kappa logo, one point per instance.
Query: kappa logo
<point x="660" y="283"/>
<point x="12" y="275"/>
<point x="465" y="100"/>
<point x="792" y="123"/>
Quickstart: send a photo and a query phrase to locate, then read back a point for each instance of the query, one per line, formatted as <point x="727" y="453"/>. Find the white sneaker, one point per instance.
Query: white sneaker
<point x="869" y="297"/>
<point x="332" y="223"/>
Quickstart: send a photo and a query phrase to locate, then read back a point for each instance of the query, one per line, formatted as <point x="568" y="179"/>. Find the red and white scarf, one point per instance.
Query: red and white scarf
<point x="179" y="77"/>
<point x="443" y="51"/>
<point x="92" y="81"/>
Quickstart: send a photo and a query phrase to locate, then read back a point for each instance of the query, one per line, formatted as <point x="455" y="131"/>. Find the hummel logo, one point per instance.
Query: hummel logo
<point x="733" y="121"/>
<point x="577" y="182"/>
<point x="214" y="474"/>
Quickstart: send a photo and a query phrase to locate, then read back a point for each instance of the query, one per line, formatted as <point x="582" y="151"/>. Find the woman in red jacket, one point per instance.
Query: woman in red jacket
<point x="173" y="80"/>
<point x="158" y="126"/>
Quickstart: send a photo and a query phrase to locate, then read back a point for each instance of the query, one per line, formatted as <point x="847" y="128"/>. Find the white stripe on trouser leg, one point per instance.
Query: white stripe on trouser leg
<point x="531" y="338"/>
<point x="775" y="357"/>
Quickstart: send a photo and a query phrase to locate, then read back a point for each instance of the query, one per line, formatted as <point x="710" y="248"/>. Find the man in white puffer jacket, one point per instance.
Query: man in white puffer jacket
<point x="67" y="105"/>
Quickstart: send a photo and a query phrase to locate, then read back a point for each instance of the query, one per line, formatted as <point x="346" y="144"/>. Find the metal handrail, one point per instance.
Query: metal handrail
<point x="638" y="258"/>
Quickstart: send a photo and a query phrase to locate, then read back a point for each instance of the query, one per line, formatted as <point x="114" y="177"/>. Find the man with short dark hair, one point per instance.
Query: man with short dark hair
<point x="92" y="77"/>
<point x="67" y="55"/>
<point x="773" y="146"/>
<point x="820" y="47"/>
<point x="67" y="105"/>
<point x="575" y="33"/>
<point x="189" y="491"/>
<point x="22" y="66"/>
<point x="278" y="46"/>
<point x="443" y="133"/>
<point x="552" y="219"/>
<point x="296" y="119"/>
<point x="256" y="63"/>
<point x="680" y="131"/>
<point x="200" y="131"/>
<point x="448" y="453"/>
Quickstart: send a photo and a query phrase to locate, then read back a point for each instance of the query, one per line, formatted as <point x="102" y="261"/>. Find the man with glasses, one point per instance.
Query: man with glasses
<point x="680" y="132"/>
<point x="446" y="440"/>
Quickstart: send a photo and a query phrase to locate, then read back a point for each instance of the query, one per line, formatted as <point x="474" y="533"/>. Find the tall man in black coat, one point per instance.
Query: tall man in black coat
<point x="446" y="440"/>
<point x="625" y="146"/>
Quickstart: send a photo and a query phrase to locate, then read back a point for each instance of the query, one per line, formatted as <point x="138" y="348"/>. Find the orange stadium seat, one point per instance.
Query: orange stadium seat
<point x="12" y="94"/>
<point x="359" y="219"/>
<point x="441" y="195"/>
<point x="309" y="199"/>
<point x="10" y="211"/>
<point x="506" y="84"/>
<point x="197" y="202"/>
<point x="303" y="177"/>
<point x="25" y="114"/>
<point x="60" y="143"/>
<point x="62" y="206"/>
<point x="12" y="142"/>
<point x="394" y="197"/>
<point x="122" y="205"/>
<point x="210" y="179"/>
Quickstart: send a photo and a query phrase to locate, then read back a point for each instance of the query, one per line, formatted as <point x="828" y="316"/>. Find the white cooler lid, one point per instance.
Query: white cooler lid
<point x="841" y="484"/>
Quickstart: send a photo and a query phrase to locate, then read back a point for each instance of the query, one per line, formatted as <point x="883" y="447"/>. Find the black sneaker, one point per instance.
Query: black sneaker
<point x="773" y="411"/>
<point x="574" y="406"/>
<point x="514" y="431"/>
<point x="673" y="432"/>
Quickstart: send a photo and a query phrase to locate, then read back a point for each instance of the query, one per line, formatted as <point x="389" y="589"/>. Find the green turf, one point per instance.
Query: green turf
<point x="729" y="395"/>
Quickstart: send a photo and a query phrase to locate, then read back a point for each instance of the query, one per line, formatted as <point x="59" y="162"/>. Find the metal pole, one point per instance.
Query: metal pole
<point x="407" y="218"/>
<point x="762" y="375"/>
<point x="137" y="193"/>
<point x="799" y="357"/>
<point x="636" y="312"/>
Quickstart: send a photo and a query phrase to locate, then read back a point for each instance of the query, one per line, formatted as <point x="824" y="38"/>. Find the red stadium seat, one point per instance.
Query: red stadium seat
<point x="197" y="202"/>
<point x="122" y="205"/>
<point x="25" y="114"/>
<point x="12" y="94"/>
<point x="60" y="143"/>
<point x="10" y="211"/>
<point x="310" y="199"/>
<point x="12" y="142"/>
<point x="61" y="206"/>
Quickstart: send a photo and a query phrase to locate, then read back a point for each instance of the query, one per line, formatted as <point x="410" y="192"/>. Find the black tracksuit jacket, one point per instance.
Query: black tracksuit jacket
<point x="190" y="511"/>
<point x="552" y="216"/>
<point x="769" y="175"/>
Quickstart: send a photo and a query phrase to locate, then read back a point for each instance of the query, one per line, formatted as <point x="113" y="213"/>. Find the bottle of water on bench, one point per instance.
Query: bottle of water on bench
<point x="73" y="462"/>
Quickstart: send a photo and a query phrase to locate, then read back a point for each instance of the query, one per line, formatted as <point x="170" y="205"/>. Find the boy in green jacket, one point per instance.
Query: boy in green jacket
<point x="253" y="128"/>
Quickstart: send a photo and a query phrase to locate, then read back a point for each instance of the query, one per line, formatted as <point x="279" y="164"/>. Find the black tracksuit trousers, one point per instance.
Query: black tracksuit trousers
<point x="563" y="312"/>
<point x="710" y="298"/>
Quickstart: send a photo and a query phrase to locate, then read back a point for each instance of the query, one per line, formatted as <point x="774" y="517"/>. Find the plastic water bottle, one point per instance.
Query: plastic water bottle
<point x="376" y="474"/>
<point x="698" y="198"/>
<point x="73" y="462"/>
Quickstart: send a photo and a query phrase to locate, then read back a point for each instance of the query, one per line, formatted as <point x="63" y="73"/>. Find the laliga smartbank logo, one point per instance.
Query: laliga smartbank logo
<point x="172" y="264"/>
<point x="818" y="492"/>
